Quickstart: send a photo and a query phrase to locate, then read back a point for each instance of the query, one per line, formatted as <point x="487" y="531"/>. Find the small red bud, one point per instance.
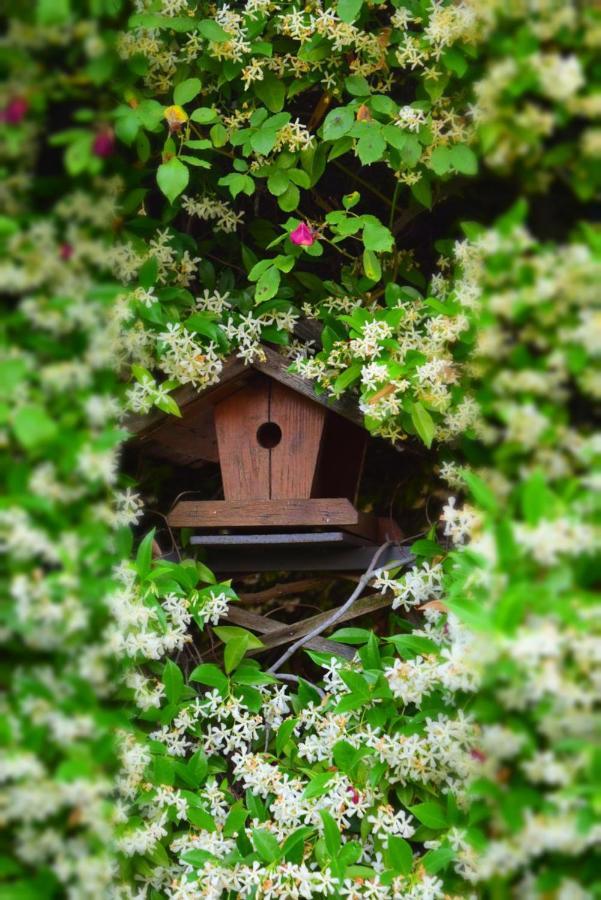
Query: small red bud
<point x="104" y="143"/>
<point x="66" y="251"/>
<point x="15" y="111"/>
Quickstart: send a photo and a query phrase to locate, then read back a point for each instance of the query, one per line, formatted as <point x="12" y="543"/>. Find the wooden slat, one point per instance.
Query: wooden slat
<point x="290" y="633"/>
<point x="245" y="465"/>
<point x="265" y="625"/>
<point x="263" y="513"/>
<point x="294" y="459"/>
<point x="276" y="366"/>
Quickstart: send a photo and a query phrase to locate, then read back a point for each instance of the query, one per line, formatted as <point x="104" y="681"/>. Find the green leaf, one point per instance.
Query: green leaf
<point x="371" y="145"/>
<point x="173" y="680"/>
<point x="263" y="141"/>
<point x="351" y="635"/>
<point x="186" y="90"/>
<point x="266" y="845"/>
<point x="52" y="12"/>
<point x="318" y="785"/>
<point x="290" y="199"/>
<point x="235" y="820"/>
<point x="204" y="115"/>
<point x="348" y="10"/>
<point x="432" y="815"/>
<point x="435" y="860"/>
<point x="172" y="178"/>
<point x="277" y="182"/>
<point x="346" y="756"/>
<point x="480" y="491"/>
<point x="440" y="161"/>
<point x="412" y="644"/>
<point x="295" y="842"/>
<point x="377" y="237"/>
<point x="357" y="85"/>
<point x="144" y="555"/>
<point x="218" y="135"/>
<point x="234" y="652"/>
<point x="147" y="276"/>
<point x="331" y="833"/>
<point x="422" y="191"/>
<point x="284" y="734"/>
<point x="463" y="159"/>
<point x="228" y="633"/>
<point x="347" y="377"/>
<point x="200" y="323"/>
<point x="268" y="284"/>
<point x="212" y="31"/>
<point x="371" y="265"/>
<point x="271" y="91"/>
<point x="210" y="674"/>
<point x="423" y="423"/>
<point x="33" y="427"/>
<point x="399" y="855"/>
<point x="338" y="122"/>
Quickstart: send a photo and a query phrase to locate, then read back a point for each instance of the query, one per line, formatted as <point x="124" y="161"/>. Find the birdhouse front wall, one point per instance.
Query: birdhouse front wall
<point x="269" y="439"/>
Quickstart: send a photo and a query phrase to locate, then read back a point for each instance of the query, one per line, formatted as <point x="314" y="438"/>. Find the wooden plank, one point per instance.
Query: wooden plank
<point x="276" y="366"/>
<point x="294" y="459"/>
<point x="265" y="625"/>
<point x="183" y="443"/>
<point x="262" y="513"/>
<point x="245" y="464"/>
<point x="321" y="538"/>
<point x="228" y="561"/>
<point x="290" y="633"/>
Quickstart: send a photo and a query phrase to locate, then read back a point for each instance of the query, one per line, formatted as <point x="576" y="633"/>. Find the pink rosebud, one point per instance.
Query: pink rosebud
<point x="478" y="754"/>
<point x="104" y="143"/>
<point x="15" y="110"/>
<point x="66" y="251"/>
<point x="302" y="235"/>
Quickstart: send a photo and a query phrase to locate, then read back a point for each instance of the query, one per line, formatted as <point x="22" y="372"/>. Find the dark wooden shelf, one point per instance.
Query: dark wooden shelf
<point x="336" y="551"/>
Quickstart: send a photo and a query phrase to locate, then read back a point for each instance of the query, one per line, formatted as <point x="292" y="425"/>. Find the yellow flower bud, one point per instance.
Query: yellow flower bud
<point x="176" y="116"/>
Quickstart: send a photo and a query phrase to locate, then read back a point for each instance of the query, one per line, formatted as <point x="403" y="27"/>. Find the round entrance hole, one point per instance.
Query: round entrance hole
<point x="269" y="435"/>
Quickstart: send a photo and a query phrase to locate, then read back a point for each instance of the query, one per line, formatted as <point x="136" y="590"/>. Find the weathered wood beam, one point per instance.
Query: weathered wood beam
<point x="267" y="513"/>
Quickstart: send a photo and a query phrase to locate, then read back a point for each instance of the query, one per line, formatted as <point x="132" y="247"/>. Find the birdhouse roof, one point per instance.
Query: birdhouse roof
<point x="191" y="440"/>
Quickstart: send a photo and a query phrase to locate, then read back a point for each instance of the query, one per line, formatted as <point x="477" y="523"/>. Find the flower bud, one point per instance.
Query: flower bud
<point x="302" y="235"/>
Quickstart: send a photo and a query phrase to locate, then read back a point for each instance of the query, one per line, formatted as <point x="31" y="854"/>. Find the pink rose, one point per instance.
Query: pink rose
<point x="302" y="235"/>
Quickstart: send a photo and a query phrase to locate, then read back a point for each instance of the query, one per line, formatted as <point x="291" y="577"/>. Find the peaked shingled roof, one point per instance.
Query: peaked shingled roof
<point x="234" y="372"/>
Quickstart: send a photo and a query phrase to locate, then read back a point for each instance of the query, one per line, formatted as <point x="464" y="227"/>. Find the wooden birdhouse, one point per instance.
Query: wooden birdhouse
<point x="290" y="462"/>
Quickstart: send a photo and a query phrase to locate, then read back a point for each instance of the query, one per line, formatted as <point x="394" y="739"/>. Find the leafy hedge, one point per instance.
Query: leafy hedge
<point x="394" y="195"/>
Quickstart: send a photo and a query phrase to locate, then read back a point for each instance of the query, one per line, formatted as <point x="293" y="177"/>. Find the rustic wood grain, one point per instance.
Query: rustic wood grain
<point x="294" y="459"/>
<point x="245" y="465"/>
<point x="276" y="366"/>
<point x="289" y="633"/>
<point x="264" y="625"/>
<point x="263" y="513"/>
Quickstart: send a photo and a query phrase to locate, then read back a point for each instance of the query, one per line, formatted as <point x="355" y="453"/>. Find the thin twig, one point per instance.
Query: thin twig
<point x="337" y="614"/>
